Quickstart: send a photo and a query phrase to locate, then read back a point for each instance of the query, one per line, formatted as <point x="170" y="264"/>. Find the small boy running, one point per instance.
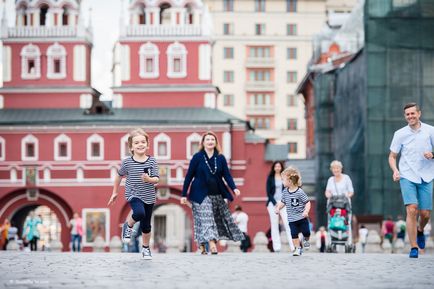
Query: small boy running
<point x="141" y="171"/>
<point x="297" y="206"/>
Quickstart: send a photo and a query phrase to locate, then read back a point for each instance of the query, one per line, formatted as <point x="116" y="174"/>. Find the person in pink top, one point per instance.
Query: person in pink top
<point x="76" y="225"/>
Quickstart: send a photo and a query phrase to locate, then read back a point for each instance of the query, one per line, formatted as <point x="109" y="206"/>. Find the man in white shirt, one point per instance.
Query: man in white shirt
<point x="241" y="219"/>
<point x="415" y="143"/>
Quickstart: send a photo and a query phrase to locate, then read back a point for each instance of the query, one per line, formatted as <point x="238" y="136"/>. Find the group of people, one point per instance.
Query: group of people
<point x="207" y="194"/>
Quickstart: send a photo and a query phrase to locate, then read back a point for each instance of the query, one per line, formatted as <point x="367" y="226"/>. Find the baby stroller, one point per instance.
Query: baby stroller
<point x="339" y="218"/>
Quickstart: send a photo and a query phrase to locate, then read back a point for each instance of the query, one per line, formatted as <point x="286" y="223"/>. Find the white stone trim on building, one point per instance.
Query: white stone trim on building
<point x="117" y="101"/>
<point x="204" y="62"/>
<point x="176" y="52"/>
<point x="29" y="139"/>
<point x="80" y="61"/>
<point x="3" y="150"/>
<point x="2" y="102"/>
<point x="194" y="137"/>
<point x="57" y="141"/>
<point x="125" y="63"/>
<point x="162" y="137"/>
<point x="85" y="101"/>
<point x="30" y="54"/>
<point x="226" y="143"/>
<point x="56" y="52"/>
<point x="149" y="52"/>
<point x="7" y="63"/>
<point x="95" y="138"/>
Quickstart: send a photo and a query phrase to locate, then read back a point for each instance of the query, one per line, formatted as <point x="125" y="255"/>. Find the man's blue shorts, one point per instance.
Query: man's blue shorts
<point x="419" y="194"/>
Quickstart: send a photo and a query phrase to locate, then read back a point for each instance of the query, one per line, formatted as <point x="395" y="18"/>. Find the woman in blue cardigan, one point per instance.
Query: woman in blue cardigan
<point x="212" y="218"/>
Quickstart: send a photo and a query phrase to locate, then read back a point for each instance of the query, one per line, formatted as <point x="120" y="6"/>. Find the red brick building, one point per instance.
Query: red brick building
<point x="60" y="146"/>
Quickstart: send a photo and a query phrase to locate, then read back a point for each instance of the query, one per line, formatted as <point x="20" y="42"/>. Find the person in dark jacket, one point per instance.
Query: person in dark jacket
<point x="274" y="194"/>
<point x="209" y="195"/>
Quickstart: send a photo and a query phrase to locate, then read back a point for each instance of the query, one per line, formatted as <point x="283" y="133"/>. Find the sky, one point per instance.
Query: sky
<point x="105" y="23"/>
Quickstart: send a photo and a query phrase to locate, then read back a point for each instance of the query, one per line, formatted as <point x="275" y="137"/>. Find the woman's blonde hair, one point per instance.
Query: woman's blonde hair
<point x="217" y="145"/>
<point x="293" y="175"/>
<point x="336" y="163"/>
<point x="133" y="133"/>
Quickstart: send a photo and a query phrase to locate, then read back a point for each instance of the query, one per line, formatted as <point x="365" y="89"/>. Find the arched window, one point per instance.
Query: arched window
<point x="29" y="148"/>
<point x="62" y="148"/>
<point x="30" y="62"/>
<point x="21" y="15"/>
<point x="149" y="64"/>
<point x="125" y="149"/>
<point x="162" y="146"/>
<point x="56" y="57"/>
<point x="141" y="10"/>
<point x="165" y="14"/>
<point x="188" y="14"/>
<point x="193" y="143"/>
<point x="176" y="60"/>
<point x="43" y="11"/>
<point x="95" y="148"/>
<point x="65" y="15"/>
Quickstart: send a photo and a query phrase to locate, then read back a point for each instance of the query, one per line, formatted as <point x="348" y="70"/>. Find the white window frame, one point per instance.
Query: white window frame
<point x="56" y="52"/>
<point x="176" y="50"/>
<point x="95" y="138"/>
<point x="3" y="150"/>
<point x="30" y="52"/>
<point x="149" y="51"/>
<point x="29" y="139"/>
<point x="194" y="137"/>
<point x="162" y="137"/>
<point x="124" y="154"/>
<point x="2" y="102"/>
<point x="62" y="139"/>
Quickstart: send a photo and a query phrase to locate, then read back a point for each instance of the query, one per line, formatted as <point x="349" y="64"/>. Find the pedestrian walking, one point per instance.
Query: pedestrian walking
<point x="31" y="230"/>
<point x="209" y="195"/>
<point x="76" y="226"/>
<point x="297" y="207"/>
<point x="242" y="219"/>
<point x="415" y="144"/>
<point x="274" y="188"/>
<point x="141" y="172"/>
<point x="4" y="230"/>
<point x="388" y="231"/>
<point x="400" y="228"/>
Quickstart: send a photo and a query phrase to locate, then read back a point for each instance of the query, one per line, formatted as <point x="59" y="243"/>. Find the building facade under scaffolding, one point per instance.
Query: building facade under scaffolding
<point x="360" y="78"/>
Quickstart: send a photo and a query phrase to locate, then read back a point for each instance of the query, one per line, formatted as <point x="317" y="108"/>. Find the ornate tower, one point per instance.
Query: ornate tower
<point x="46" y="56"/>
<point x="163" y="56"/>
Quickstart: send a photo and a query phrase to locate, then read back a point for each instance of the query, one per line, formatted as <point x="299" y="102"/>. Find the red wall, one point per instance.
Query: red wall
<point x="33" y="100"/>
<point x="192" y="64"/>
<point x="17" y="81"/>
<point x="162" y="99"/>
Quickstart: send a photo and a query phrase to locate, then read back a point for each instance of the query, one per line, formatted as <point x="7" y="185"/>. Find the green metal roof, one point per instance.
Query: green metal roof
<point x="157" y="116"/>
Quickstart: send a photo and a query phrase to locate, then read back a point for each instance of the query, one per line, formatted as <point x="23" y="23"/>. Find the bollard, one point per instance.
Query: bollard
<point x="399" y="246"/>
<point x="233" y="247"/>
<point x="429" y="246"/>
<point x="373" y="242"/>
<point x="115" y="244"/>
<point x="56" y="246"/>
<point x="260" y="242"/>
<point x="12" y="246"/>
<point x="387" y="247"/>
<point x="98" y="244"/>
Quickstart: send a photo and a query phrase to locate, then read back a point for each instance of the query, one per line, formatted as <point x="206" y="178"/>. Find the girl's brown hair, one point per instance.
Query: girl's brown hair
<point x="133" y="133"/>
<point x="217" y="145"/>
<point x="293" y="175"/>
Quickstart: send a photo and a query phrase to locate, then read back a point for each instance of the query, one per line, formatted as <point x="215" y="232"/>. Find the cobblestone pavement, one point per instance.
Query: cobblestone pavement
<point x="226" y="270"/>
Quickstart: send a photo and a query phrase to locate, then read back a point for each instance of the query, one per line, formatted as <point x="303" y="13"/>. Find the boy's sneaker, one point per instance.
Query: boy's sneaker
<point x="420" y="239"/>
<point x="297" y="252"/>
<point x="127" y="232"/>
<point x="146" y="253"/>
<point x="306" y="245"/>
<point x="414" y="253"/>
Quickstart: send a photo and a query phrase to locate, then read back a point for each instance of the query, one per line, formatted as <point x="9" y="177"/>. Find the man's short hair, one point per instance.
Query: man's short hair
<point x="238" y="208"/>
<point x="411" y="104"/>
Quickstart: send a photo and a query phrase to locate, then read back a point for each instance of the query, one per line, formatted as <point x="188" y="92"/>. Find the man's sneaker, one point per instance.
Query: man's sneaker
<point x="127" y="232"/>
<point x="146" y="253"/>
<point x="414" y="253"/>
<point x="420" y="239"/>
<point x="297" y="252"/>
<point x="306" y="245"/>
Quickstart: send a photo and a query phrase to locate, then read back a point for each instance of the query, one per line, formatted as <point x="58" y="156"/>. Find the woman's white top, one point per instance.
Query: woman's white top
<point x="278" y="190"/>
<point x="340" y="188"/>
